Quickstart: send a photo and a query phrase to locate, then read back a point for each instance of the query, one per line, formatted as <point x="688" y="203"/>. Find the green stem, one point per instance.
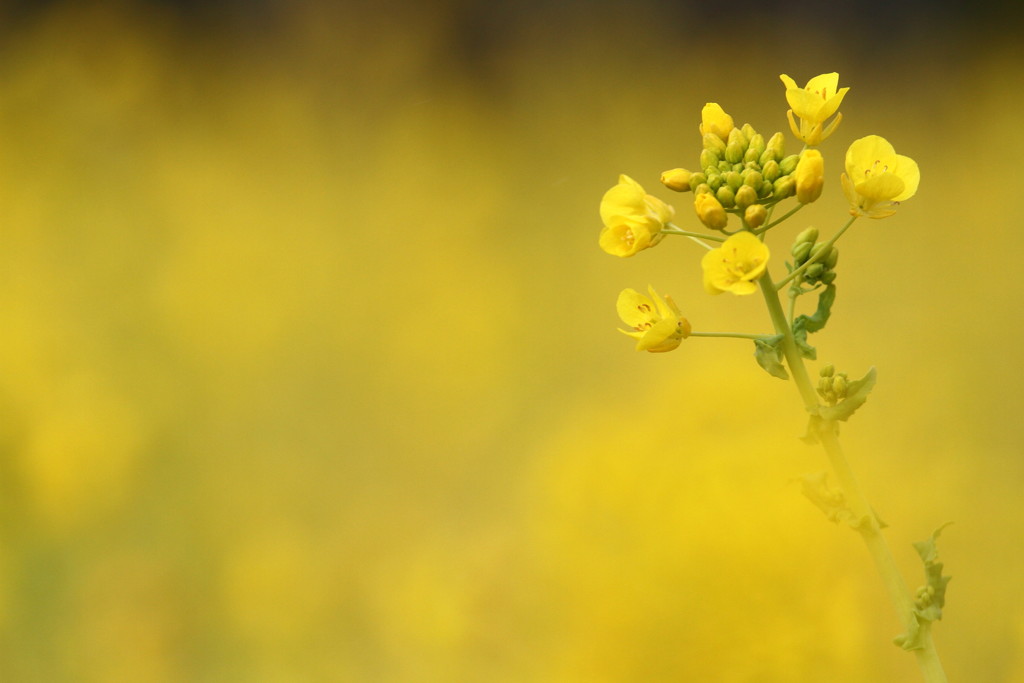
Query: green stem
<point x="868" y="526"/>
<point x="736" y="335"/>
<point x="697" y="237"/>
<point x="765" y="228"/>
<point x="817" y="257"/>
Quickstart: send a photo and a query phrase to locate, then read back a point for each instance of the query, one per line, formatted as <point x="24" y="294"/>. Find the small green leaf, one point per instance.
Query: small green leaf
<point x="931" y="597"/>
<point x="769" y="356"/>
<point x="827" y="499"/>
<point x="856" y="394"/>
<point x="805" y="324"/>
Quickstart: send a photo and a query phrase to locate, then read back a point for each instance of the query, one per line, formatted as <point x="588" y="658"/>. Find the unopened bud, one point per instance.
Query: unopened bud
<point x="818" y="249"/>
<point x="734" y="179"/>
<point x="697" y="179"/>
<point x="827" y="370"/>
<point x="828" y="277"/>
<point x="752" y="178"/>
<point x="715" y="144"/>
<point x="709" y="159"/>
<point x="703" y="188"/>
<point x="814" y="271"/>
<point x="833" y="258"/>
<point x="677" y="179"/>
<point x="784" y="187"/>
<point x="771" y="171"/>
<point x="745" y="196"/>
<point x="788" y="165"/>
<point x="755" y="215"/>
<point x="800" y="251"/>
<point x="734" y="152"/>
<point x="748" y="132"/>
<point x="726" y="196"/>
<point x="714" y="121"/>
<point x="810" y="176"/>
<point x="808" y="235"/>
<point x="710" y="211"/>
<point x="715" y="180"/>
<point x="738" y="136"/>
<point x="751" y="156"/>
<point x="839" y="386"/>
<point x="776" y="147"/>
<point x="757" y="145"/>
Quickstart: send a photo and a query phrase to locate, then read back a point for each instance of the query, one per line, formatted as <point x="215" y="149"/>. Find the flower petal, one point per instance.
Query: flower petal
<point x="634" y="308"/>
<point x="907" y="170"/>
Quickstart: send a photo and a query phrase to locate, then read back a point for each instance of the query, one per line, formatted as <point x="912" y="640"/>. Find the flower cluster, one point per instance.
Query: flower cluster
<point x="742" y="175"/>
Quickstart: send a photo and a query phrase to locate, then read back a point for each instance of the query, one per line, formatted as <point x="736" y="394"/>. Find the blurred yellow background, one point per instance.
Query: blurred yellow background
<point x="309" y="370"/>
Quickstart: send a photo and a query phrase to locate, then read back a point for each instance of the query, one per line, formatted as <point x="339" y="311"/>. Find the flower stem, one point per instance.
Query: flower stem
<point x="867" y="525"/>
<point x="736" y="335"/>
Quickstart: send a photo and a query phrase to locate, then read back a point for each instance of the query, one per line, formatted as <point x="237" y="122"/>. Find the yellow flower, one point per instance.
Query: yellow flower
<point x="632" y="218"/>
<point x="813" y="105"/>
<point x="810" y="176"/>
<point x="877" y="179"/>
<point x="656" y="323"/>
<point x="715" y="121"/>
<point x="735" y="265"/>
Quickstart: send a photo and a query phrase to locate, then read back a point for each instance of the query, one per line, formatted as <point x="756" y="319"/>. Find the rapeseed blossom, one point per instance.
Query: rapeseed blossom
<point x="655" y="322"/>
<point x="877" y="179"/>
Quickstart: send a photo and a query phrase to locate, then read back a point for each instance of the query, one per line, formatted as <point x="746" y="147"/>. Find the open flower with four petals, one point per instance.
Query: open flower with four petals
<point x="877" y="179"/>
<point x="736" y="265"/>
<point x="655" y="322"/>
<point x="814" y="104"/>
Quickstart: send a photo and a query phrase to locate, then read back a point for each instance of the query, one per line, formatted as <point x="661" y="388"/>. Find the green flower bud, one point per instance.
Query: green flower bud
<point x="755" y="215"/>
<point x="827" y="370"/>
<point x="771" y="171"/>
<point x="748" y="132"/>
<point x="832" y="259"/>
<point x="703" y="188"/>
<point x="738" y="136"/>
<point x="739" y="167"/>
<point x="724" y="166"/>
<point x="745" y="196"/>
<point x="734" y="179"/>
<point x="714" y="143"/>
<point x="715" y="180"/>
<point x="750" y="157"/>
<point x="757" y="144"/>
<point x="814" y="271"/>
<point x="697" y="179"/>
<point x="784" y="187"/>
<point x="800" y="251"/>
<point x="818" y="249"/>
<point x="839" y="385"/>
<point x="808" y="235"/>
<point x="828" y="277"/>
<point x="788" y="165"/>
<point x="734" y="151"/>
<point x="776" y="147"/>
<point x="709" y="159"/>
<point x="752" y="178"/>
<point x="726" y="197"/>
<point x="677" y="179"/>
<point x="764" y="191"/>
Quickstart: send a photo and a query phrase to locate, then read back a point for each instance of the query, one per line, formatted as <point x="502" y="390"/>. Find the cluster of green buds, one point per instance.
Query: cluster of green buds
<point x="806" y="248"/>
<point x="832" y="385"/>
<point x="924" y="597"/>
<point x="740" y="174"/>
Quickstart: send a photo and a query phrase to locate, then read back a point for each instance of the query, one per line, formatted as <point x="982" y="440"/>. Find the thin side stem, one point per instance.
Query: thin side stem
<point x="736" y="335"/>
<point x="817" y="257"/>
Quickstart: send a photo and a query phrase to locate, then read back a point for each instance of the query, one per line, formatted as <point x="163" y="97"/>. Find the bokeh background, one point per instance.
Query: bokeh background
<point x="309" y="370"/>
